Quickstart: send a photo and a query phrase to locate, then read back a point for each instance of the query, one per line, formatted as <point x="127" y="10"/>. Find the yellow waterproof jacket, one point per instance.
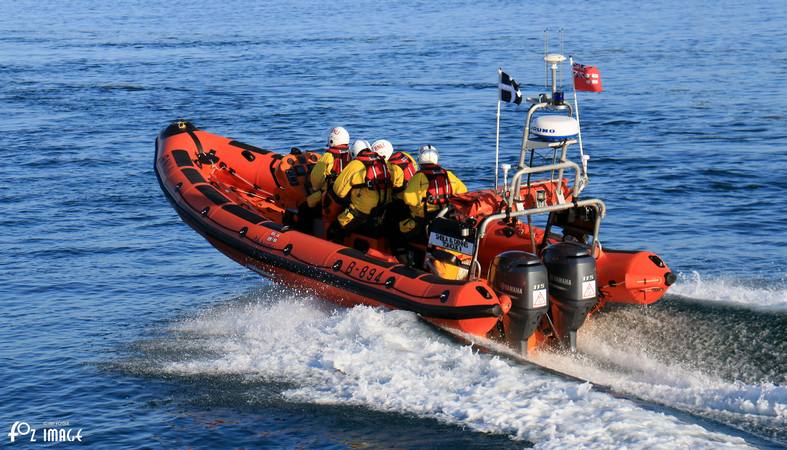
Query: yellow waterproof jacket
<point x="318" y="178"/>
<point x="417" y="189"/>
<point x="351" y="182"/>
<point x="321" y="170"/>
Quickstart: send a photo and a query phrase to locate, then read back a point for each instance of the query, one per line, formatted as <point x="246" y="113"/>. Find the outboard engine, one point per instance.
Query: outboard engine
<point x="572" y="288"/>
<point x="522" y="277"/>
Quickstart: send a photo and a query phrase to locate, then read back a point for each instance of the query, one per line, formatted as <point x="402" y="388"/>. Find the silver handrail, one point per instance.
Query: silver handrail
<point x="529" y="170"/>
<point x="526" y="131"/>
<point x="598" y="204"/>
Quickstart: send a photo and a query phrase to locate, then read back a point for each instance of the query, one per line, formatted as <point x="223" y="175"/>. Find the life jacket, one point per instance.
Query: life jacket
<point x="440" y="189"/>
<point x="404" y="163"/>
<point x="378" y="177"/>
<point x="341" y="157"/>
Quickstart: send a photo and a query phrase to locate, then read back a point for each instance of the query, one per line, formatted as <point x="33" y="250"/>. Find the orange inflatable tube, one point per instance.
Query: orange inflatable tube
<point x="236" y="195"/>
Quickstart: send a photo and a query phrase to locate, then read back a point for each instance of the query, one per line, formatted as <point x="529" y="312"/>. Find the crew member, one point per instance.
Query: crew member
<point x="330" y="165"/>
<point x="367" y="184"/>
<point x="332" y="204"/>
<point x="398" y="210"/>
<point x="325" y="170"/>
<point x="428" y="191"/>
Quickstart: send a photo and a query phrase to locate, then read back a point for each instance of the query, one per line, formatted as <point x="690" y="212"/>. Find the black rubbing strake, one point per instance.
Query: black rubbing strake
<point x="407" y="271"/>
<point x="276" y="226"/>
<point x="212" y="194"/>
<point x="182" y="158"/>
<point x="482" y="290"/>
<point x="193" y="176"/>
<point x="656" y="260"/>
<point x="250" y="148"/>
<point x="243" y="213"/>
<point x="356" y="254"/>
<point x="434" y="279"/>
<point x="248" y="155"/>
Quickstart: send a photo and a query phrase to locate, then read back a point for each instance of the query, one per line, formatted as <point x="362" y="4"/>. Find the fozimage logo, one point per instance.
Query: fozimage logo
<point x="51" y="432"/>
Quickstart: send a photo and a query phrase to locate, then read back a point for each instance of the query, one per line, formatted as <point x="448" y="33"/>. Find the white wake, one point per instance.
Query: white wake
<point x="613" y="353"/>
<point x="390" y="361"/>
<point x="726" y="290"/>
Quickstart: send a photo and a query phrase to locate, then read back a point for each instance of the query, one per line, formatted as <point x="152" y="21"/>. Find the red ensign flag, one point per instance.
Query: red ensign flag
<point x="586" y="78"/>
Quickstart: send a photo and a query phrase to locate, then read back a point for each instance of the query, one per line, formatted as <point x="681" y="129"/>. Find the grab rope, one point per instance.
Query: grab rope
<point x="259" y="192"/>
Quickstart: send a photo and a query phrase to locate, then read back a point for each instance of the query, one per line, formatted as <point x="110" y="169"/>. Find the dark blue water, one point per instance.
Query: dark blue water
<point x="124" y="322"/>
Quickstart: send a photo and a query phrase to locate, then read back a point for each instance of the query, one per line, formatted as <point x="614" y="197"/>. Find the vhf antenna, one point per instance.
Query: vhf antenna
<point x="546" y="49"/>
<point x="562" y="52"/>
<point x="558" y="75"/>
<point x="552" y="67"/>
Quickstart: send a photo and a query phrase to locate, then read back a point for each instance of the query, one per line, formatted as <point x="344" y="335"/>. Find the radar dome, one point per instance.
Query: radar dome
<point x="554" y="127"/>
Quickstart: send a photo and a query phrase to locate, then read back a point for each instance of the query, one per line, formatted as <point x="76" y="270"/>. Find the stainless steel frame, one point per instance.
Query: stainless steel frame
<point x="595" y="203"/>
<point x="513" y="196"/>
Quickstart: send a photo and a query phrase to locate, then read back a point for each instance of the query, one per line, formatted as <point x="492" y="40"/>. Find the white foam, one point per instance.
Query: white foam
<point x="731" y="291"/>
<point x="626" y="366"/>
<point x="390" y="361"/>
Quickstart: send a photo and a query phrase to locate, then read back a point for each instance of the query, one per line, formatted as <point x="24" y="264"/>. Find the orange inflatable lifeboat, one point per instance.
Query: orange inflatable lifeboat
<point x="524" y="284"/>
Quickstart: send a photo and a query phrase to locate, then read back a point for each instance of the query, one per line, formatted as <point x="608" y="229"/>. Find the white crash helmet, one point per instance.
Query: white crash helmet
<point x="383" y="148"/>
<point x="427" y="154"/>
<point x="338" y="136"/>
<point x="358" y="145"/>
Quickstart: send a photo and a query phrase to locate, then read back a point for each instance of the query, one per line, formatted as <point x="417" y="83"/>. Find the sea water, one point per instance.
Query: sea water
<point x="120" y="321"/>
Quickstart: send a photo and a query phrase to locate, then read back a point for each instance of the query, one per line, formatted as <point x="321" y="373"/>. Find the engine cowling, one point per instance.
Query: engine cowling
<point x="523" y="277"/>
<point x="572" y="287"/>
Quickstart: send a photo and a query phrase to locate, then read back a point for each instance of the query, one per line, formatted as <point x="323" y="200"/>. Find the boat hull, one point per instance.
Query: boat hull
<point x="342" y="274"/>
<point x="239" y="196"/>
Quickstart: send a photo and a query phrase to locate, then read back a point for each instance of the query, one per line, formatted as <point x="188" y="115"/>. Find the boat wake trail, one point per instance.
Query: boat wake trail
<point x="722" y="290"/>
<point x="391" y="361"/>
<point x="719" y="362"/>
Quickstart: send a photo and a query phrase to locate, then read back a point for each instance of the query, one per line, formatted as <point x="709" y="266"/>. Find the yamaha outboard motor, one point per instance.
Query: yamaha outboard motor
<point x="572" y="287"/>
<point x="522" y="277"/>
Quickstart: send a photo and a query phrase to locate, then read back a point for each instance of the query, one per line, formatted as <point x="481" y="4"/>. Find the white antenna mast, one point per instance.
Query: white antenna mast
<point x="553" y="61"/>
<point x="546" y="49"/>
<point x="562" y="52"/>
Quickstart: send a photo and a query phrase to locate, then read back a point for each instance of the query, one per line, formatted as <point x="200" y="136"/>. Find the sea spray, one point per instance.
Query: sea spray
<point x="689" y="356"/>
<point x="771" y="296"/>
<point x="390" y="361"/>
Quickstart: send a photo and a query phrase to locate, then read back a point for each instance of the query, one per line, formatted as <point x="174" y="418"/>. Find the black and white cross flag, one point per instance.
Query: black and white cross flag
<point x="509" y="88"/>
